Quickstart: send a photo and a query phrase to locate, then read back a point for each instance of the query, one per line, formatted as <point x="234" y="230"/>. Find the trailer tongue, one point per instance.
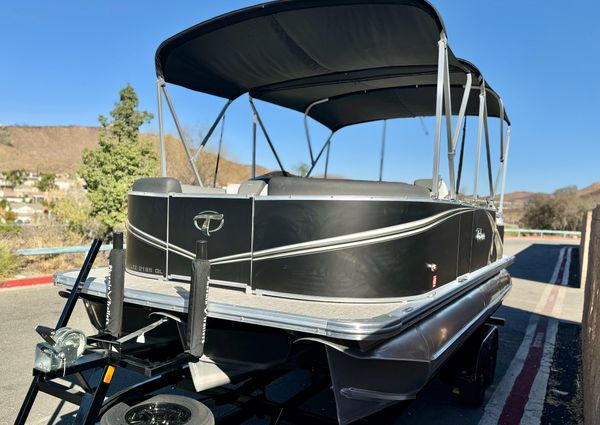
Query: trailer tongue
<point x="67" y="354"/>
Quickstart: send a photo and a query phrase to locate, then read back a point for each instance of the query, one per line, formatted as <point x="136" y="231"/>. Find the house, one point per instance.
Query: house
<point x="26" y="213"/>
<point x="10" y="195"/>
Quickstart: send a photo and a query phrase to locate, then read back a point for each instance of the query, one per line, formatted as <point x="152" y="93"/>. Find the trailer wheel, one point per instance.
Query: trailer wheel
<point x="162" y="409"/>
<point x="472" y="389"/>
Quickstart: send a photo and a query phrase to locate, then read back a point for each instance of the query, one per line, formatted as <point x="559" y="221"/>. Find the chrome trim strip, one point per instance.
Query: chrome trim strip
<point x="151" y="194"/>
<point x="209" y="195"/>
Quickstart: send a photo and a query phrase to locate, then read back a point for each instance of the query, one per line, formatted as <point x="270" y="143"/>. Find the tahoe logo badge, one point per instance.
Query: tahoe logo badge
<point x="209" y="222"/>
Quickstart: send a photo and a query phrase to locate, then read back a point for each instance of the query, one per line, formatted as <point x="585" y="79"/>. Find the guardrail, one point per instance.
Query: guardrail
<point x="60" y="250"/>
<point x="541" y="232"/>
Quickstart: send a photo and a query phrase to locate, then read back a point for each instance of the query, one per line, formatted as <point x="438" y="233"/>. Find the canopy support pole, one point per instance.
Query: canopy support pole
<point x="327" y="160"/>
<point x="181" y="135"/>
<point x="310" y="151"/>
<point x="211" y="130"/>
<point x="501" y="207"/>
<point x="438" y="115"/>
<point x="448" y="107"/>
<point x="488" y="150"/>
<point x="461" y="157"/>
<point x="383" y="137"/>
<point x="479" y="136"/>
<point x="219" y="152"/>
<point x="325" y="146"/>
<point x="501" y="146"/>
<point x="264" y="130"/>
<point x="453" y="143"/>
<point x="161" y="137"/>
<point x="254" y="145"/>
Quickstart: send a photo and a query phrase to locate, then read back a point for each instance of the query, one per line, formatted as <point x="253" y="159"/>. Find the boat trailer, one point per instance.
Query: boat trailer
<point x="91" y="363"/>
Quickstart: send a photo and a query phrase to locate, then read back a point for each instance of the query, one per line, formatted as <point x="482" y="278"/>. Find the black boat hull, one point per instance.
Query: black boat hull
<point x="345" y="248"/>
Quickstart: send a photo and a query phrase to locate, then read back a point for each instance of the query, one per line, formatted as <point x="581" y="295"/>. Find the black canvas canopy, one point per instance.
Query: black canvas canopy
<point x="290" y="41"/>
<point x="372" y="59"/>
<point x="408" y="97"/>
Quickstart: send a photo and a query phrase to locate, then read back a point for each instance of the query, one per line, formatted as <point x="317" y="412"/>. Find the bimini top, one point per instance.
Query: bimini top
<point x="413" y="96"/>
<point x="380" y="55"/>
<point x="302" y="42"/>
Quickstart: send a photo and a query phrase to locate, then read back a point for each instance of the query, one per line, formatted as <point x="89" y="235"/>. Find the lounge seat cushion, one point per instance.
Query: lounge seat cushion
<point x="190" y="188"/>
<point x="157" y="185"/>
<point x="279" y="185"/>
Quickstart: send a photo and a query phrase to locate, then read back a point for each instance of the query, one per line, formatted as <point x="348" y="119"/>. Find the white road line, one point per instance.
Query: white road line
<point x="554" y="277"/>
<point x="565" y="276"/>
<point x="535" y="404"/>
<point x="493" y="408"/>
<point x="537" y="396"/>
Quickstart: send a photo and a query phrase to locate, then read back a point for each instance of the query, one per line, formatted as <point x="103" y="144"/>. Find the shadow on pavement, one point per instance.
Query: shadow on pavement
<point x="537" y="263"/>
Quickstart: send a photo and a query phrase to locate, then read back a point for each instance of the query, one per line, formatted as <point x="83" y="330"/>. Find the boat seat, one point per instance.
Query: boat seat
<point x="190" y="188"/>
<point x="157" y="185"/>
<point x="428" y="183"/>
<point x="252" y="187"/>
<point x="171" y="185"/>
<point x="280" y="185"/>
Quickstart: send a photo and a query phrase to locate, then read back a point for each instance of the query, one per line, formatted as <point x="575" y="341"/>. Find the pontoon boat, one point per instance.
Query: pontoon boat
<point x="388" y="278"/>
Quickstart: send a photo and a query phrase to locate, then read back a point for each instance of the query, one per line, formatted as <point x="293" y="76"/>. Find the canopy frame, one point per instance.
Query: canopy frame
<point x="444" y="89"/>
<point x="325" y="146"/>
<point x="163" y="88"/>
<point x="258" y="119"/>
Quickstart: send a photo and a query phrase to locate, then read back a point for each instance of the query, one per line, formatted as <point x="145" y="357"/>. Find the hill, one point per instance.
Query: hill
<point x="514" y="202"/>
<point x="56" y="149"/>
<point x="46" y="149"/>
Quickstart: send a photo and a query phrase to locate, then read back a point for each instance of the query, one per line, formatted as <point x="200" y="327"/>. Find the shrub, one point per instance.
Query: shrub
<point x="10" y="264"/>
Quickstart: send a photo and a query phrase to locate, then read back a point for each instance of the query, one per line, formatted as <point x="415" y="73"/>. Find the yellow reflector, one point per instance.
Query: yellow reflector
<point x="109" y="374"/>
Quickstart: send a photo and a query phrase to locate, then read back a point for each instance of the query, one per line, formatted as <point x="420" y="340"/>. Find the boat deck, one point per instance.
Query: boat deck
<point x="351" y="321"/>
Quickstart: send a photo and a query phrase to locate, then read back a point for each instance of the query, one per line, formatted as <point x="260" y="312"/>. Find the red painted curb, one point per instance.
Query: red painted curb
<point x="42" y="280"/>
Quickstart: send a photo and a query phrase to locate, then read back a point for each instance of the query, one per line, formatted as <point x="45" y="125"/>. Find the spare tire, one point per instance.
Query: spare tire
<point x="161" y="409"/>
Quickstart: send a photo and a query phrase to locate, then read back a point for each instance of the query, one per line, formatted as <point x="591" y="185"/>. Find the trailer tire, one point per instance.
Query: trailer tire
<point x="164" y="409"/>
<point x="472" y="391"/>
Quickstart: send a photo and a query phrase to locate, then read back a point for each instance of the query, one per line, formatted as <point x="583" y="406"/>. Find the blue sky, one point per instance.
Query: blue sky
<point x="64" y="62"/>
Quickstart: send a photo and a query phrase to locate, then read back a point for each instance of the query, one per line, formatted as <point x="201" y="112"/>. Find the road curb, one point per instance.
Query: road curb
<point x="30" y="281"/>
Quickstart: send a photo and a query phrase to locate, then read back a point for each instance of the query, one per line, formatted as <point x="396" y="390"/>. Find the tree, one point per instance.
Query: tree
<point x="10" y="216"/>
<point x="560" y="211"/>
<point x="15" y="177"/>
<point x="302" y="169"/>
<point x="121" y="157"/>
<point x="46" y="182"/>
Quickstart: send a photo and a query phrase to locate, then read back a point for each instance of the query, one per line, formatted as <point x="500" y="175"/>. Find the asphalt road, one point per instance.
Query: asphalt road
<point x="22" y="308"/>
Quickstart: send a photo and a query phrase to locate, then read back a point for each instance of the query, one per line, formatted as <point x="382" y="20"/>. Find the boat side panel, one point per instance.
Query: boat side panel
<point x="463" y="260"/>
<point x="148" y="214"/>
<point x="285" y="222"/>
<point x="483" y="236"/>
<point x="234" y="237"/>
<point x="399" y="267"/>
